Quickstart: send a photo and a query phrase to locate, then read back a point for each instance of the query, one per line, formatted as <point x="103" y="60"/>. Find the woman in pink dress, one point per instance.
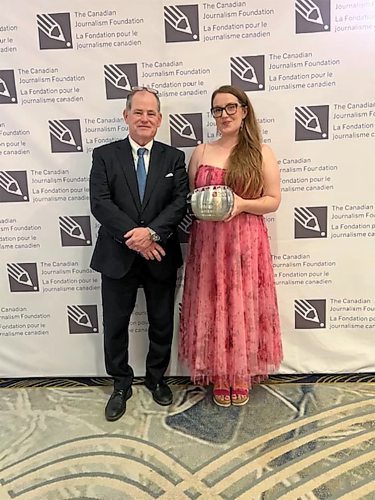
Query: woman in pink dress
<point x="229" y="326"/>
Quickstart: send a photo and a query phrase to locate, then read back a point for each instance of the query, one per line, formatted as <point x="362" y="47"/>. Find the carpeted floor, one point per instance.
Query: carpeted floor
<point x="291" y="441"/>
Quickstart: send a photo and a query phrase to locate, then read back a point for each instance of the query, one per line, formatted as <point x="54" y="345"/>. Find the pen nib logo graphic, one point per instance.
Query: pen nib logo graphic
<point x="116" y="77"/>
<point x="186" y="129"/>
<point x="23" y="277"/>
<point x="247" y="72"/>
<point x="309" y="313"/>
<point x="312" y="16"/>
<point x="308" y="119"/>
<point x="61" y="132"/>
<point x="54" y="31"/>
<point x="65" y="136"/>
<point x="4" y="88"/>
<point x="306" y="218"/>
<point x="183" y="128"/>
<point x="11" y="186"/>
<point x="181" y="23"/>
<point x="119" y="80"/>
<point x="310" y="222"/>
<point x="243" y="69"/>
<point x="311" y="122"/>
<point x="82" y="319"/>
<point x="74" y="230"/>
<point x="8" y="94"/>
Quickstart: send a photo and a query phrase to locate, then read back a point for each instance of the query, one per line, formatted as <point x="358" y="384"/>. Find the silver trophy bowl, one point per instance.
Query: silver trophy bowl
<point x="212" y="203"/>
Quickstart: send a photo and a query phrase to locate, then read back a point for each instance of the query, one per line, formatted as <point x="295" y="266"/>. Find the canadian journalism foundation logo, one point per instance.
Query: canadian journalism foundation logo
<point x="313" y="16"/>
<point x="186" y="130"/>
<point x="13" y="186"/>
<point x="65" y="136"/>
<point x="309" y="314"/>
<point x="310" y="222"/>
<point x="184" y="228"/>
<point x="75" y="231"/>
<point x="54" y="31"/>
<point x="82" y="319"/>
<point x="311" y="123"/>
<point x="23" y="277"/>
<point x="8" y="93"/>
<point x="247" y="72"/>
<point x="119" y="80"/>
<point x="181" y="23"/>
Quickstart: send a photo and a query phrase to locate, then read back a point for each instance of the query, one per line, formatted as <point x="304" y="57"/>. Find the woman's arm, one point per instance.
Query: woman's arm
<point x="194" y="164"/>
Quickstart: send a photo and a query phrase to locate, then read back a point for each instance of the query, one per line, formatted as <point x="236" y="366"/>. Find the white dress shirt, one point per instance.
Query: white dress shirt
<point x="146" y="156"/>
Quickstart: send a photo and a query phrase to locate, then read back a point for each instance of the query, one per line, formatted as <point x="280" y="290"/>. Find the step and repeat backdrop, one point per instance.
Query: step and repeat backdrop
<point x="65" y="71"/>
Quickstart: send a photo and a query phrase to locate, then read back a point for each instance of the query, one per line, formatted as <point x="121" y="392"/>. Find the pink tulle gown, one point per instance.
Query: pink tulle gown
<point x="229" y="324"/>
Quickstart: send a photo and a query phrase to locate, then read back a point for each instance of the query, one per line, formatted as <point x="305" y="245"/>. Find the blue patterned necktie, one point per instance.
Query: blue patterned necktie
<point x="141" y="172"/>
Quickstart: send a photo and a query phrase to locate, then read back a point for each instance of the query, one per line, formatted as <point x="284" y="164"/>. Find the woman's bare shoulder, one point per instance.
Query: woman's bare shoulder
<point x="266" y="149"/>
<point x="267" y="153"/>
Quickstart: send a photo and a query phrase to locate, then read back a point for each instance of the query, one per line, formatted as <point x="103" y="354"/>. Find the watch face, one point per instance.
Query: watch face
<point x="154" y="236"/>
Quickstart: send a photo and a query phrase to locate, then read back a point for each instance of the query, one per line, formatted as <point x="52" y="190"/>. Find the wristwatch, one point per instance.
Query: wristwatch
<point x="154" y="236"/>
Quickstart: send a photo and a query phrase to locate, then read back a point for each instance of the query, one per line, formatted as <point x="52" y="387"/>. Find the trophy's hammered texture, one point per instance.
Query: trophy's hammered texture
<point x="212" y="203"/>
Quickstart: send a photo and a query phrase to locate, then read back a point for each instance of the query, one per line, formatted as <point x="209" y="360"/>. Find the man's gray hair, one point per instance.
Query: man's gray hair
<point x="133" y="92"/>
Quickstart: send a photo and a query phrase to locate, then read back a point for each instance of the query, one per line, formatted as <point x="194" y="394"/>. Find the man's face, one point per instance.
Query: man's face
<point x="143" y="119"/>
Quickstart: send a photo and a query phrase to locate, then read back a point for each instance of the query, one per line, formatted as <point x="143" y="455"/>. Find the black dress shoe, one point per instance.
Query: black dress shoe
<point x="161" y="393"/>
<point x="116" y="406"/>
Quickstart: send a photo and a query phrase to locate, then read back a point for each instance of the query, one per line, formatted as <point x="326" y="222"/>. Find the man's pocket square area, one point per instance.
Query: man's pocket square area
<point x="169" y="175"/>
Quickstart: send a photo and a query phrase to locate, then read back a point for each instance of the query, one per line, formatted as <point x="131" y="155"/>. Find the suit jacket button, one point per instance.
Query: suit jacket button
<point x="142" y="221"/>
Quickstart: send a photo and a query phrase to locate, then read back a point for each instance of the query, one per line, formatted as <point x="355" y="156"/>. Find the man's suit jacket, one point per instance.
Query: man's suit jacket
<point x="116" y="204"/>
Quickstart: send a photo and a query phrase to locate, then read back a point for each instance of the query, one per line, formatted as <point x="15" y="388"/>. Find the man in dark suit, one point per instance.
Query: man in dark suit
<point x="138" y="190"/>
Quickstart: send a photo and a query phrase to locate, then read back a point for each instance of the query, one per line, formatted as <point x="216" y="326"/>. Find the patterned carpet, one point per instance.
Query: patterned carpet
<point x="292" y="441"/>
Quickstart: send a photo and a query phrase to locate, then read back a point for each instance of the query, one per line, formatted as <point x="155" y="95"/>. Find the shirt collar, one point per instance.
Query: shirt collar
<point x="136" y="146"/>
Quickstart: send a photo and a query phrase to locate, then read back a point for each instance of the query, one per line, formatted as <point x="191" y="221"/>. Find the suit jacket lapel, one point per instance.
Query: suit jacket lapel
<point x="125" y="158"/>
<point x="155" y="171"/>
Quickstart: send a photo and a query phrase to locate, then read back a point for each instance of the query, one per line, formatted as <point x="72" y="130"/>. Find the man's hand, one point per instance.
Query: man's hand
<point x="138" y="239"/>
<point x="153" y="252"/>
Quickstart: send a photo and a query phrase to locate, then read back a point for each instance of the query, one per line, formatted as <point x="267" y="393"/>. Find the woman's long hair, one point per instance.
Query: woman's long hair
<point x="244" y="169"/>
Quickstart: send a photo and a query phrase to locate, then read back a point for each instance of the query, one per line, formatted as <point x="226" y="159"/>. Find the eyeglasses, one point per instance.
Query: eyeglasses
<point x="230" y="109"/>
<point x="149" y="89"/>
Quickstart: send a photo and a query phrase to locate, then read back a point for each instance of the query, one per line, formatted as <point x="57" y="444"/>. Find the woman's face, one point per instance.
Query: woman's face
<point x="232" y="113"/>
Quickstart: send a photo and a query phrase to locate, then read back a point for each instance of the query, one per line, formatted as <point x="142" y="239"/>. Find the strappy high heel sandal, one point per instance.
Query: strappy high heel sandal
<point x="240" y="396"/>
<point x="221" y="396"/>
